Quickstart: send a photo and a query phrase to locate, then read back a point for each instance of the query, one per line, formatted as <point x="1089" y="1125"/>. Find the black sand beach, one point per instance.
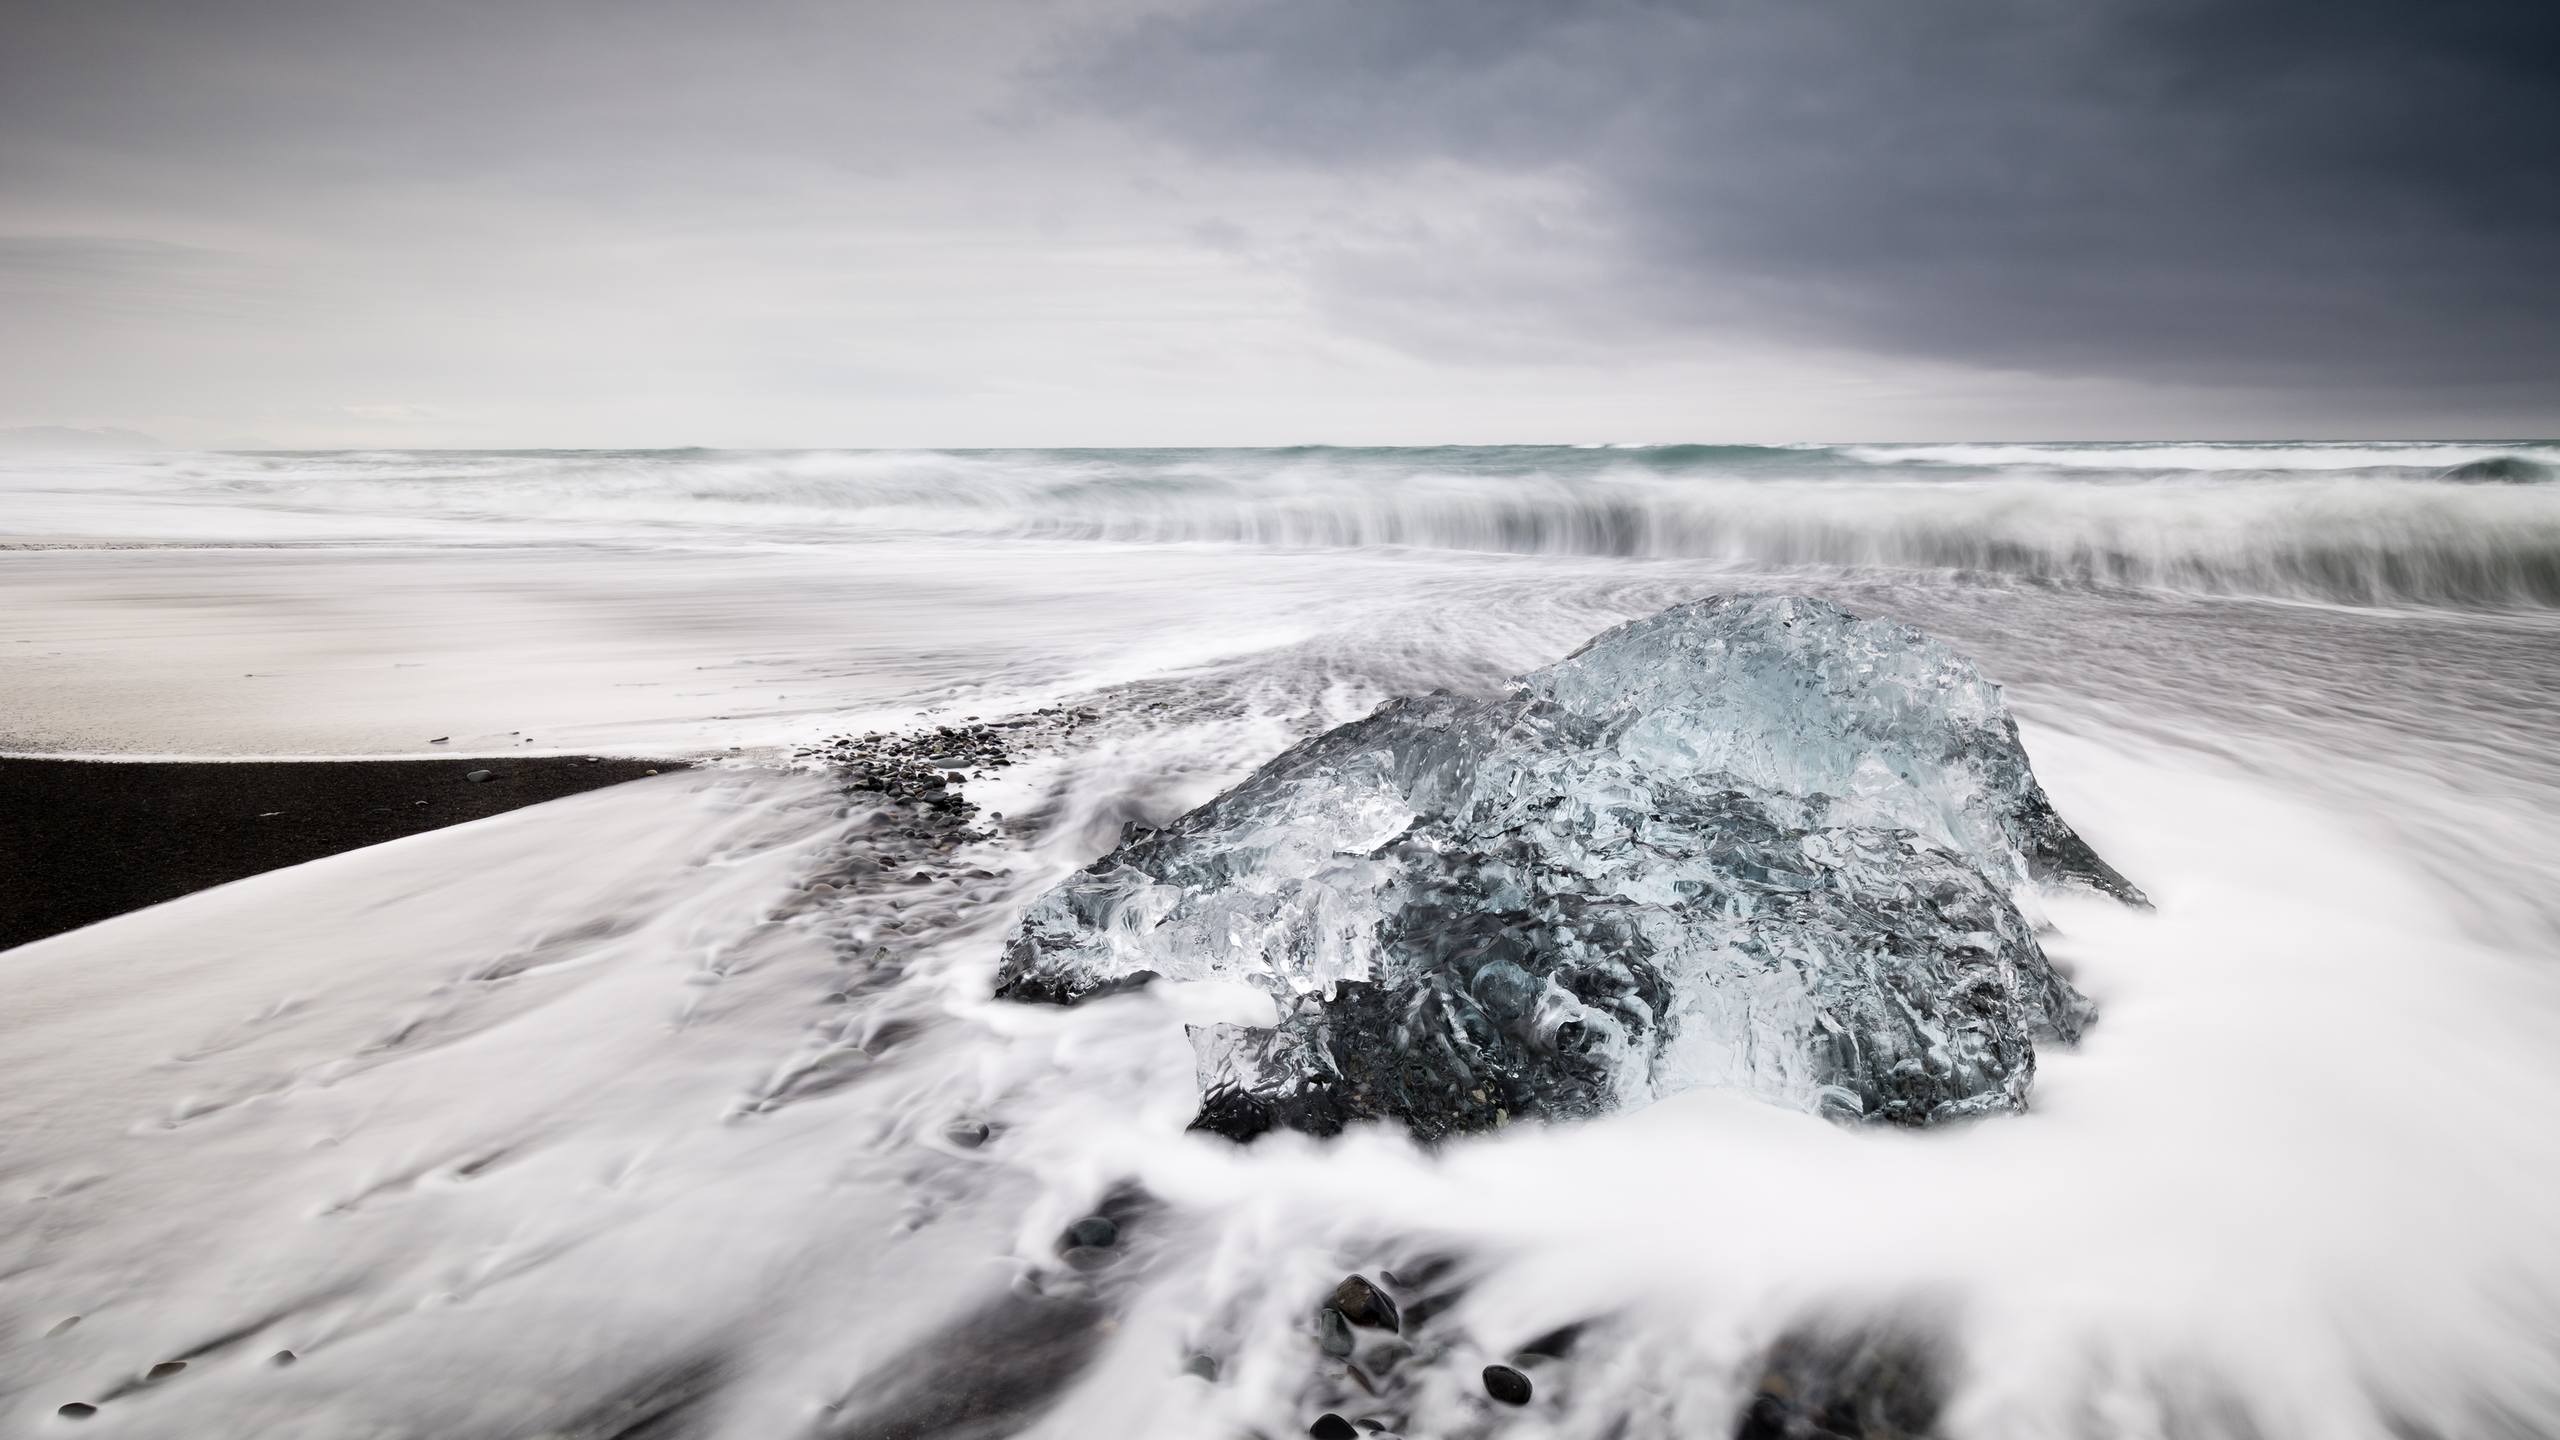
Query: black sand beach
<point x="84" y="840"/>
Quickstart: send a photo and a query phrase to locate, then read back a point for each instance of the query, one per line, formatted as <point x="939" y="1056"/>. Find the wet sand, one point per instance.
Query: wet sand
<point x="84" y="840"/>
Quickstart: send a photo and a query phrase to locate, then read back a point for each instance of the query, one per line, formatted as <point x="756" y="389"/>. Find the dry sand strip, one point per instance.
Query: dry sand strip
<point x="84" y="840"/>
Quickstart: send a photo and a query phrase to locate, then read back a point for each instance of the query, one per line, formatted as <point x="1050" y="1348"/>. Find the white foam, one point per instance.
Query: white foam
<point x="472" y="1118"/>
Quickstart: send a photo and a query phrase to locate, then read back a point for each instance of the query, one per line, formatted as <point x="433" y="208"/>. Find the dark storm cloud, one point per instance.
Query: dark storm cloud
<point x="1011" y="221"/>
<point x="2362" y="194"/>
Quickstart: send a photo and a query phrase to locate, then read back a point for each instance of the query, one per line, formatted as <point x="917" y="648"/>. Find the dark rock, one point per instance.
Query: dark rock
<point x="1333" y="1333"/>
<point x="77" y="1410"/>
<point x="282" y="1358"/>
<point x="439" y="739"/>
<point x="1204" y="1366"/>
<point x="1094" y="1232"/>
<point x="165" y="1369"/>
<point x="1557" y="1343"/>
<point x="1506" y="1385"/>
<point x="1865" y="1383"/>
<point x="1048" y="990"/>
<point x="1364" y="1304"/>
<point x="968" y="1134"/>
<point x="1330" y="1426"/>
<point x="478" y="777"/>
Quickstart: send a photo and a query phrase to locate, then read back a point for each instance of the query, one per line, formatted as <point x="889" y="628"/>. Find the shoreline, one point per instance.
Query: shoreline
<point x="87" y="839"/>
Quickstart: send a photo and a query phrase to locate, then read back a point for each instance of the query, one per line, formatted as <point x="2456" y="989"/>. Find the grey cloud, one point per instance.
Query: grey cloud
<point x="640" y="103"/>
<point x="92" y="278"/>
<point x="1009" y="221"/>
<point x="2358" y="194"/>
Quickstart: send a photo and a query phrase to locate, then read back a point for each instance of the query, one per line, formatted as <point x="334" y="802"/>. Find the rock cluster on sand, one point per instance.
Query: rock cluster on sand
<point x="926" y="766"/>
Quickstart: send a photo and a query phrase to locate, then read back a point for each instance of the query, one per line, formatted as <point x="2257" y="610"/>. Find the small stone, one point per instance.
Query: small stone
<point x="1364" y="1304"/>
<point x="1333" y="1333"/>
<point x="165" y="1369"/>
<point x="1204" y="1366"/>
<point x="1506" y="1385"/>
<point x="77" y="1410"/>
<point x="477" y="777"/>
<point x="1330" y="1426"/>
<point x="63" y="1326"/>
<point x="968" y="1134"/>
<point x="1556" y="1344"/>
<point x="282" y="1358"/>
<point x="1096" y="1232"/>
<point x="439" y="739"/>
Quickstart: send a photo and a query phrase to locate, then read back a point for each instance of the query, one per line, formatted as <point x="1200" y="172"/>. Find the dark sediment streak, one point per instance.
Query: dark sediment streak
<point x="84" y="840"/>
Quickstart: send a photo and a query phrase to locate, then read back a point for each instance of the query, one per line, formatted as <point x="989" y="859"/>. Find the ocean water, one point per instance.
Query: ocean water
<point x="622" y="1113"/>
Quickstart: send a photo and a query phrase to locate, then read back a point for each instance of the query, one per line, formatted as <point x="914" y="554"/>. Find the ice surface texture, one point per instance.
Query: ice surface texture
<point x="1753" y="842"/>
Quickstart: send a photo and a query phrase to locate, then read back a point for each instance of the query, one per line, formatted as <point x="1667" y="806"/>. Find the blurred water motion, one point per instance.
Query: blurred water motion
<point x="682" y="1105"/>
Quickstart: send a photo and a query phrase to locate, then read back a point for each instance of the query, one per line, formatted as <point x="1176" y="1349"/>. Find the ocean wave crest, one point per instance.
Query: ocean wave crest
<point x="2364" y="524"/>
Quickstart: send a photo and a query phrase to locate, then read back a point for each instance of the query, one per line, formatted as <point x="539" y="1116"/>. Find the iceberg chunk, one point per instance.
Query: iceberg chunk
<point x="1869" y="722"/>
<point x="1753" y="842"/>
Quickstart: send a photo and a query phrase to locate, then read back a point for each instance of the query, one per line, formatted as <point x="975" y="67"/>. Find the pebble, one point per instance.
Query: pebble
<point x="1204" y="1366"/>
<point x="77" y="1410"/>
<point x="1506" y="1385"/>
<point x="1555" y="1344"/>
<point x="165" y="1369"/>
<point x="1385" y="1356"/>
<point x="1364" y="1304"/>
<point x="282" y="1358"/>
<point x="478" y="776"/>
<point x="968" y="1134"/>
<point x="1094" y="1232"/>
<point x="1333" y="1333"/>
<point x="1330" y="1426"/>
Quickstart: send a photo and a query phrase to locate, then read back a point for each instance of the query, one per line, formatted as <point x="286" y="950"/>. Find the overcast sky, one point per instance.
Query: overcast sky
<point x="993" y="222"/>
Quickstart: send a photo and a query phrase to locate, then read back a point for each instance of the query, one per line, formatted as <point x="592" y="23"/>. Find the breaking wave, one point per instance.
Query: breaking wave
<point x="2362" y="524"/>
